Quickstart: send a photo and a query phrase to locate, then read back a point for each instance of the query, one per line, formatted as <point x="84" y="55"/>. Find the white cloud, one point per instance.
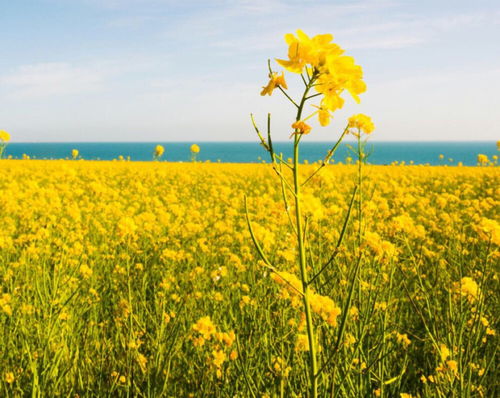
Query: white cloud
<point x="50" y="79"/>
<point x="406" y="30"/>
<point x="394" y="42"/>
<point x="456" y="105"/>
<point x="250" y="24"/>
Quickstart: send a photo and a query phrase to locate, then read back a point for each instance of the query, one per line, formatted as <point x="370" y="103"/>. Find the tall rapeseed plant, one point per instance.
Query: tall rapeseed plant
<point x="4" y="138"/>
<point x="326" y="74"/>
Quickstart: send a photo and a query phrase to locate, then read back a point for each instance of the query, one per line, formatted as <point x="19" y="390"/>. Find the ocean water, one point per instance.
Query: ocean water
<point x="381" y="153"/>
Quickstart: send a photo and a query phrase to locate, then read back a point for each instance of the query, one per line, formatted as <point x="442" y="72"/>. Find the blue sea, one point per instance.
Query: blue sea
<point x="381" y="153"/>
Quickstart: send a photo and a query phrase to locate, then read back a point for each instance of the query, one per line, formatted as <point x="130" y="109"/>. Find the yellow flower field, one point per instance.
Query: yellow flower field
<point x="141" y="279"/>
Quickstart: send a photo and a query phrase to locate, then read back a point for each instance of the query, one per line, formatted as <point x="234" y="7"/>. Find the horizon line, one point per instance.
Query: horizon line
<point x="243" y="142"/>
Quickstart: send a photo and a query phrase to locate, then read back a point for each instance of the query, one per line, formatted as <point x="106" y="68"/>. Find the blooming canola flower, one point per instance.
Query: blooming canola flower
<point x="301" y="127"/>
<point x="328" y="70"/>
<point x="159" y="150"/>
<point x="4" y="136"/>
<point x="275" y="80"/>
<point x="362" y="123"/>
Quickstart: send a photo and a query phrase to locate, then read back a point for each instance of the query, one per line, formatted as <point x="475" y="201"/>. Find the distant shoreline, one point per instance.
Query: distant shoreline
<point x="380" y="153"/>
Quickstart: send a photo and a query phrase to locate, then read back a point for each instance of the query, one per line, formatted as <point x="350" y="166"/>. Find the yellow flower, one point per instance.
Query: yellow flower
<point x="86" y="271"/>
<point x="4" y="136"/>
<point x="341" y="73"/>
<point x="361" y="122"/>
<point x="468" y="288"/>
<point x="245" y="300"/>
<point x="489" y="230"/>
<point x="198" y="341"/>
<point x="482" y="159"/>
<point x="195" y="148"/>
<point x="325" y="307"/>
<point x="303" y="50"/>
<point x="159" y="150"/>
<point x="9" y="377"/>
<point x="354" y="312"/>
<point x="205" y="327"/>
<point x="5" y="301"/>
<point x="126" y="226"/>
<point x="349" y="340"/>
<point x="324" y="116"/>
<point x="227" y="338"/>
<point x="332" y="72"/>
<point x="301" y="128"/>
<point x="360" y="364"/>
<point x="403" y="339"/>
<point x="64" y="316"/>
<point x="142" y="361"/>
<point x="218" y="296"/>
<point x="280" y="367"/>
<point x="275" y="80"/>
<point x="288" y="280"/>
<point x="444" y="352"/>
<point x="452" y="365"/>
<point x="74" y="153"/>
<point x="302" y="343"/>
<point x="219" y="358"/>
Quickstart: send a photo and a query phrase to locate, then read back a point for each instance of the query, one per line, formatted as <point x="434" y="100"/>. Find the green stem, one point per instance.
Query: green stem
<point x="360" y="219"/>
<point x="360" y="179"/>
<point x="304" y="277"/>
<point x="328" y="156"/>
<point x="287" y="96"/>
<point x="302" y="254"/>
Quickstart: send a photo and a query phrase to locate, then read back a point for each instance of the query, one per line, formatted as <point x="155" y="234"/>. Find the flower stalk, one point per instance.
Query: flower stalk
<point x="313" y="363"/>
<point x="323" y="67"/>
<point x="4" y="139"/>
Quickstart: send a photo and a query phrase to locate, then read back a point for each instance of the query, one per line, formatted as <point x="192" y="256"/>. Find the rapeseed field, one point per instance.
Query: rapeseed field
<point x="141" y="279"/>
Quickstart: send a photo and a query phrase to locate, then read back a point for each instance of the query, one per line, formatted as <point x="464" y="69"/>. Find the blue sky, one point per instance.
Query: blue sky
<point x="165" y="70"/>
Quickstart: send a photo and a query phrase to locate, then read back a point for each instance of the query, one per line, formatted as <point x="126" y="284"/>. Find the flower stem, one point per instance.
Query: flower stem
<point x="313" y="364"/>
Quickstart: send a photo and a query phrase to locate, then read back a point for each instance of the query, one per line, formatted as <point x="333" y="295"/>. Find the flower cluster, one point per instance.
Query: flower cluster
<point x="328" y="70"/>
<point x="467" y="288"/>
<point x="158" y="152"/>
<point x="482" y="159"/>
<point x="275" y="80"/>
<point x="4" y="136"/>
<point x="323" y="306"/>
<point x="206" y="330"/>
<point x="361" y="123"/>
<point x="489" y="230"/>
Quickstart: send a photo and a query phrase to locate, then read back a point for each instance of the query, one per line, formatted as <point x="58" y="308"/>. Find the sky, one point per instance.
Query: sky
<point x="192" y="70"/>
